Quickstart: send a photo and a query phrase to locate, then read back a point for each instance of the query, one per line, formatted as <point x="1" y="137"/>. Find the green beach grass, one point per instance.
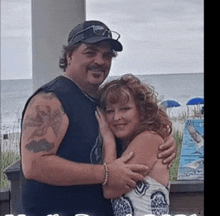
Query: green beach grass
<point x="178" y="136"/>
<point x="7" y="158"/>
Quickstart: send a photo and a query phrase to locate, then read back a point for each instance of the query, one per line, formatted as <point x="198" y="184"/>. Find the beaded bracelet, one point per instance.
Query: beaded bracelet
<point x="106" y="174"/>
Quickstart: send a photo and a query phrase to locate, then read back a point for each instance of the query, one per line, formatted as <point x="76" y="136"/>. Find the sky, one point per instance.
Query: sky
<point x="158" y="36"/>
<point x="16" y="41"/>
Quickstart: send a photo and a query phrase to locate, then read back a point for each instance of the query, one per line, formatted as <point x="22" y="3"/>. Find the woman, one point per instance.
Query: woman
<point x="129" y="114"/>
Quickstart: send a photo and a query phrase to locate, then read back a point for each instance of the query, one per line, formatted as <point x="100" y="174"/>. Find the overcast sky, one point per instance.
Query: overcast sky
<point x="16" y="39"/>
<point x="158" y="36"/>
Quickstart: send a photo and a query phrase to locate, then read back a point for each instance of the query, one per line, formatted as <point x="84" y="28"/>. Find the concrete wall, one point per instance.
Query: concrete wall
<point x="52" y="20"/>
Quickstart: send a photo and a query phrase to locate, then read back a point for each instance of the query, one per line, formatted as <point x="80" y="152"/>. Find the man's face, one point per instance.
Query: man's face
<point x="90" y="64"/>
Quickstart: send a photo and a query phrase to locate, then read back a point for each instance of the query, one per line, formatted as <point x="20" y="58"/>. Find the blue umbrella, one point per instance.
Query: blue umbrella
<point x="195" y="101"/>
<point x="170" y="103"/>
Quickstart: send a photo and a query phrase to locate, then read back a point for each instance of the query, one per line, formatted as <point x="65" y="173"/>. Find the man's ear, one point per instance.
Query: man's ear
<point x="69" y="58"/>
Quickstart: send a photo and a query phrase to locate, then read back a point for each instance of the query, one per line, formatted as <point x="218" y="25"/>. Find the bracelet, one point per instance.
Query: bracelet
<point x="106" y="174"/>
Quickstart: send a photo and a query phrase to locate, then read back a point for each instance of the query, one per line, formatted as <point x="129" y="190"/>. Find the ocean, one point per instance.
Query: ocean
<point x="179" y="87"/>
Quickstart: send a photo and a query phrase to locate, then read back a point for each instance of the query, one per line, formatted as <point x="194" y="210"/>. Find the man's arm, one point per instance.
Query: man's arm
<point x="44" y="126"/>
<point x="145" y="148"/>
<point x="168" y="151"/>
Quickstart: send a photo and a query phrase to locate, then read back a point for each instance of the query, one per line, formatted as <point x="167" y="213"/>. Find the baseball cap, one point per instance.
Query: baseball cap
<point x="94" y="31"/>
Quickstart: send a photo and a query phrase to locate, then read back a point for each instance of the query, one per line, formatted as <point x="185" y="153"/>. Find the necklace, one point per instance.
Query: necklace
<point x="87" y="95"/>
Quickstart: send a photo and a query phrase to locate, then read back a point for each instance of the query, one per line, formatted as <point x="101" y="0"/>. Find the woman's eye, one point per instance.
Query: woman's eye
<point x="125" y="108"/>
<point x="109" y="111"/>
<point x="90" y="53"/>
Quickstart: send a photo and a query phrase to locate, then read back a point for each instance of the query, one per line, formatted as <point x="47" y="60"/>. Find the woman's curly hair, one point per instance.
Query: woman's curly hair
<point x="153" y="117"/>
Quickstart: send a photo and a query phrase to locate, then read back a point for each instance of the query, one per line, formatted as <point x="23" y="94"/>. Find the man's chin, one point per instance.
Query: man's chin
<point x="97" y="78"/>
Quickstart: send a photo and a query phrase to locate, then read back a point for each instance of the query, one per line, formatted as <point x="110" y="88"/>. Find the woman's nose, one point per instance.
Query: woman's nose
<point x="117" y="115"/>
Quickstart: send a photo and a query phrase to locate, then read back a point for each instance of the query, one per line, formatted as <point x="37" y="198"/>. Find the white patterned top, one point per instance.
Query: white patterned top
<point x="149" y="197"/>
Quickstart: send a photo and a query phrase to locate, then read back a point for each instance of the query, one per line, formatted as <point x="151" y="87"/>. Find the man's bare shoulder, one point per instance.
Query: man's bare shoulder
<point x="44" y="111"/>
<point x="44" y="98"/>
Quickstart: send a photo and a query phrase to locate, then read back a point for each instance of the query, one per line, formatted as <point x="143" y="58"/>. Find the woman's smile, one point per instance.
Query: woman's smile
<point x="123" y="118"/>
<point x="120" y="125"/>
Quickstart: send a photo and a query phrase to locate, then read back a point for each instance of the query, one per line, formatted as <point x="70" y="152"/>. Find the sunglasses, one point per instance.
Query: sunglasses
<point x="92" y="31"/>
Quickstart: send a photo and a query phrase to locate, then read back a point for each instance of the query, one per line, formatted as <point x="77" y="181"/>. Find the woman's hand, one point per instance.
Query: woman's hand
<point x="104" y="129"/>
<point x="108" y="138"/>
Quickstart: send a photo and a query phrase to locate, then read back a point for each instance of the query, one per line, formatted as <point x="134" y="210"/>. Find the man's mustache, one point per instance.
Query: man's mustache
<point x="96" y="67"/>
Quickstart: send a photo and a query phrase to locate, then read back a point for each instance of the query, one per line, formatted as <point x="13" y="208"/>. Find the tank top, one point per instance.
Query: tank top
<point x="81" y="144"/>
<point x="147" y="198"/>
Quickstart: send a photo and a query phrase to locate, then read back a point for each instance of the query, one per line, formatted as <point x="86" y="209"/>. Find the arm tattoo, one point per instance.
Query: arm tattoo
<point x="43" y="120"/>
<point x="39" y="146"/>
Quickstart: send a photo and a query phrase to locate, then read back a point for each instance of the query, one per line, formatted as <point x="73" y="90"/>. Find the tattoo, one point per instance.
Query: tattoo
<point x="46" y="96"/>
<point x="39" y="146"/>
<point x="43" y="120"/>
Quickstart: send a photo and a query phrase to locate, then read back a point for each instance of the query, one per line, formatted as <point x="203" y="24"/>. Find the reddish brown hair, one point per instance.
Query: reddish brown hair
<point x="153" y="117"/>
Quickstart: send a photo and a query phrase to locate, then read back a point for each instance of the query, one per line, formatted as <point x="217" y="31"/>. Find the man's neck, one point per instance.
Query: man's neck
<point x="91" y="90"/>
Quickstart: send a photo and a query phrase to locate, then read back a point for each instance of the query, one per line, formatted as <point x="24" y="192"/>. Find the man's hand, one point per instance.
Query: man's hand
<point x="168" y="151"/>
<point x="124" y="176"/>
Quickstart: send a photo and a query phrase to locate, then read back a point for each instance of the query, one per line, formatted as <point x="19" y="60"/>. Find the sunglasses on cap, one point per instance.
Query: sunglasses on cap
<point x="93" y="31"/>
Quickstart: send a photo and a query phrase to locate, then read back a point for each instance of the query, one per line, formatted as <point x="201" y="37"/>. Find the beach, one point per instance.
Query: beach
<point x="179" y="87"/>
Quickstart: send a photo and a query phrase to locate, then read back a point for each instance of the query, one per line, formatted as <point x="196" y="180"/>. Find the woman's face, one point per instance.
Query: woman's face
<point x="123" y="119"/>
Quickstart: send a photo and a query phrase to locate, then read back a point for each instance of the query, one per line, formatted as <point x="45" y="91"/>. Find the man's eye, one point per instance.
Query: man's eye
<point x="90" y="52"/>
<point x="109" y="55"/>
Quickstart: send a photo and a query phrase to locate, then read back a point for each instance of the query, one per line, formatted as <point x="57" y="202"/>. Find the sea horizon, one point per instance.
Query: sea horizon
<point x="152" y="74"/>
<point x="180" y="87"/>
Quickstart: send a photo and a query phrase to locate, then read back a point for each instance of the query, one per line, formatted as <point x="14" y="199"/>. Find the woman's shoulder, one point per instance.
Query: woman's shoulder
<point x="146" y="141"/>
<point x="145" y="148"/>
<point x="149" y="137"/>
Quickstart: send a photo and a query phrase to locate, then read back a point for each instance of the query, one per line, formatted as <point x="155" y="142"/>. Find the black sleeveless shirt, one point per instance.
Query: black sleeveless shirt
<point x="81" y="144"/>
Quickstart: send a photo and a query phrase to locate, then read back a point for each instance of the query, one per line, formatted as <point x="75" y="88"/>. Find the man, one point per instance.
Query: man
<point x="60" y="144"/>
